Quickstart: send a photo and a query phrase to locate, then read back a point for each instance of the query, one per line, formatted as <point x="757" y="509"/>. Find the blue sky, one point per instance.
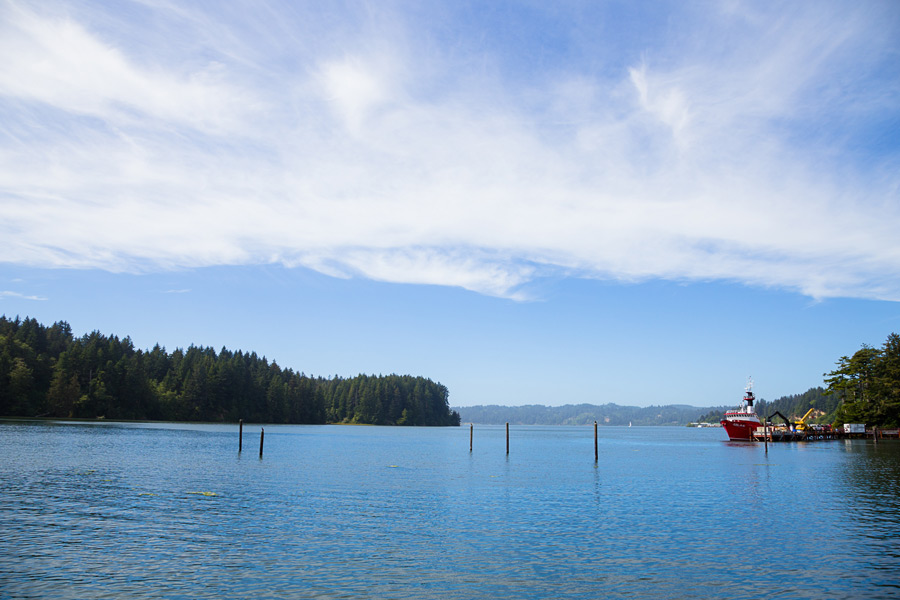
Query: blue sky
<point x="640" y="203"/>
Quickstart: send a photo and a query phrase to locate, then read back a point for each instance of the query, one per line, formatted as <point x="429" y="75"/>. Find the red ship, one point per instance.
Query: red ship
<point x="739" y="424"/>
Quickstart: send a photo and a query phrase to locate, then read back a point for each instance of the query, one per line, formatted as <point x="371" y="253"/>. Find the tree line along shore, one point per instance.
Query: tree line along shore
<point x="48" y="372"/>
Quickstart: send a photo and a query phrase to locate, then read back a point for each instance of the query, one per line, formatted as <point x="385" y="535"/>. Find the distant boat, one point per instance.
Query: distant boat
<point x="629" y="423"/>
<point x="740" y="424"/>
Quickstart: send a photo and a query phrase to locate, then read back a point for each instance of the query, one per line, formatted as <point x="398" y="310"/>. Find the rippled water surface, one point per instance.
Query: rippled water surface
<point x="106" y="510"/>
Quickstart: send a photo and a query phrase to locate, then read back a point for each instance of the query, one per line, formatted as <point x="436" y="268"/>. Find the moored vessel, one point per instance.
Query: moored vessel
<point x="740" y="423"/>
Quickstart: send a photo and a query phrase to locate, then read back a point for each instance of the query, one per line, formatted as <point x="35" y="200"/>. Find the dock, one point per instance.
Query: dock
<point x="783" y="434"/>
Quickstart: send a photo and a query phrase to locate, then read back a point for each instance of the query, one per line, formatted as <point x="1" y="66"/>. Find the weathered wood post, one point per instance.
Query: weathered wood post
<point x="596" y="452"/>
<point x="240" y="435"/>
<point x="766" y="437"/>
<point x="471" y="434"/>
<point x="262" y="435"/>
<point x="507" y="437"/>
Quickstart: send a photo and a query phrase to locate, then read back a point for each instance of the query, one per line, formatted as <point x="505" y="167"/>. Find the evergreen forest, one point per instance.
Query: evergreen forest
<point x="868" y="385"/>
<point x="48" y="372"/>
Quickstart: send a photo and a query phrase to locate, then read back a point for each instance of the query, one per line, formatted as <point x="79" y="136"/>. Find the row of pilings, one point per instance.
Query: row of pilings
<point x="472" y="437"/>
<point x="262" y="435"/>
<point x="766" y="436"/>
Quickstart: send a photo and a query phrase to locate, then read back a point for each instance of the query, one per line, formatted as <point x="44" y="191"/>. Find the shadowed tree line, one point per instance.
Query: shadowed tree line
<point x="46" y="371"/>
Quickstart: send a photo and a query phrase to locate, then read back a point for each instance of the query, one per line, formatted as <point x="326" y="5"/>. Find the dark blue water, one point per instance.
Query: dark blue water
<point x="173" y="511"/>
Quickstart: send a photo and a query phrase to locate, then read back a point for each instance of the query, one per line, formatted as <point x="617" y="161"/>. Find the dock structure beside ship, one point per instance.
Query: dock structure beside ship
<point x="813" y="434"/>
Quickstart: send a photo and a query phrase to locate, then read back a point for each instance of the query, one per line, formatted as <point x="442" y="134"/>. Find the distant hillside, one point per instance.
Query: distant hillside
<point x="580" y="414"/>
<point x="793" y="407"/>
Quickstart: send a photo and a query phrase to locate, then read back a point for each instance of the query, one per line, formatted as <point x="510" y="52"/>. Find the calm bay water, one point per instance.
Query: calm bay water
<point x="106" y="510"/>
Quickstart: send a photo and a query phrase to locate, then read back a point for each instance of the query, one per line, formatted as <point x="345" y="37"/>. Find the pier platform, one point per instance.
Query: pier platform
<point x="782" y="434"/>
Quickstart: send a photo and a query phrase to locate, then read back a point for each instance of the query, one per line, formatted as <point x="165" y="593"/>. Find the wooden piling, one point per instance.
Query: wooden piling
<point x="240" y="435"/>
<point x="471" y="434"/>
<point x="262" y="435"/>
<point x="766" y="437"/>
<point x="596" y="451"/>
<point x="507" y="438"/>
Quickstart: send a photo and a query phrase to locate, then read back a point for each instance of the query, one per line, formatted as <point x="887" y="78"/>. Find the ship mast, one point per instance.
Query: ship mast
<point x="748" y="397"/>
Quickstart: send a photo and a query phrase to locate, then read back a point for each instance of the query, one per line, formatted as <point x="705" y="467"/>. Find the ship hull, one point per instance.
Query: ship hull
<point x="740" y="429"/>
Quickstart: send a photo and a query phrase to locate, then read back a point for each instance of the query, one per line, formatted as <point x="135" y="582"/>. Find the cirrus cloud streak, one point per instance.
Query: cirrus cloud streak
<point x="371" y="145"/>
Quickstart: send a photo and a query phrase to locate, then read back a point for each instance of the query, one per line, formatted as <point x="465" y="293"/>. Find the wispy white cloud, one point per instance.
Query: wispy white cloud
<point x="56" y="61"/>
<point x="381" y="146"/>
<point x="20" y="296"/>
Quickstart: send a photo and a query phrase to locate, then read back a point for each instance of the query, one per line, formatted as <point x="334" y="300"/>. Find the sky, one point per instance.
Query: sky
<point x="530" y="202"/>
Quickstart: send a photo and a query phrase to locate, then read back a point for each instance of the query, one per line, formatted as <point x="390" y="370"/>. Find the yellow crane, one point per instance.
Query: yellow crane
<point x="801" y="423"/>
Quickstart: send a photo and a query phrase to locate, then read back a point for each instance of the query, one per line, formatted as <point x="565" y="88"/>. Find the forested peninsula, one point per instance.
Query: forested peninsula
<point x="48" y="372"/>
